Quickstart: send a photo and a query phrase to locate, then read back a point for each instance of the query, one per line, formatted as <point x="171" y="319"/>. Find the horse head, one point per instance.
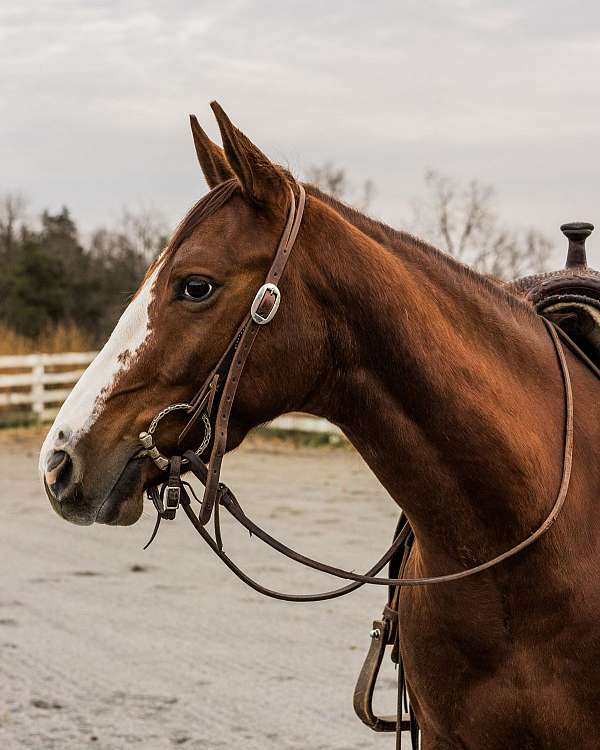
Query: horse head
<point x="175" y="330"/>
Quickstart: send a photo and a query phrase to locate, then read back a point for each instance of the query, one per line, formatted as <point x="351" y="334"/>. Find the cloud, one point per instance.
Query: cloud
<point x="97" y="96"/>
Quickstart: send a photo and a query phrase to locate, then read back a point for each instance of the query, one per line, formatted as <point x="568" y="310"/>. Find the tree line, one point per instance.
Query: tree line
<point x="51" y="276"/>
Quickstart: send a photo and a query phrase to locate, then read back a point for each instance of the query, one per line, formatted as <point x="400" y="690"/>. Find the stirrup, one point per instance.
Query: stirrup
<point x="383" y="634"/>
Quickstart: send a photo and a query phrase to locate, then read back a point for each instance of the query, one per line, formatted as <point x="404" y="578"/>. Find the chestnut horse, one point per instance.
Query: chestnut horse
<point x="446" y="384"/>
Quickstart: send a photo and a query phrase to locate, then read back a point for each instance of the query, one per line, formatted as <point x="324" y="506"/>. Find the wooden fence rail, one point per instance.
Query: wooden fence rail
<point x="33" y="387"/>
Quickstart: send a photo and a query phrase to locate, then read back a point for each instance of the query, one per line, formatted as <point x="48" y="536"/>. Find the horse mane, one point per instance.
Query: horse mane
<point x="396" y="240"/>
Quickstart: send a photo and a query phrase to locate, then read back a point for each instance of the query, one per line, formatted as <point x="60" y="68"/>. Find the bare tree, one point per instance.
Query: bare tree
<point x="138" y="235"/>
<point x="146" y="230"/>
<point x="12" y="214"/>
<point x="334" y="181"/>
<point x="461" y="220"/>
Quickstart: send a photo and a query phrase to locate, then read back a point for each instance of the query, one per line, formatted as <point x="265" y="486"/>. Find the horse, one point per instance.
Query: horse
<point x="447" y="385"/>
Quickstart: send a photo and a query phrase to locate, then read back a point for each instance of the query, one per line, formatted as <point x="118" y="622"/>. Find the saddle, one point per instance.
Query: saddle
<point x="569" y="298"/>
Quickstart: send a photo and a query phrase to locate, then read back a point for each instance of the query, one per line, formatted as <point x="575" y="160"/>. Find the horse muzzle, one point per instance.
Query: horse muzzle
<point x="84" y="491"/>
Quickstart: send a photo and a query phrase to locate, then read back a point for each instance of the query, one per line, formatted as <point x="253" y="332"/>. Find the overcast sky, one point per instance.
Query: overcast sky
<point x="95" y="98"/>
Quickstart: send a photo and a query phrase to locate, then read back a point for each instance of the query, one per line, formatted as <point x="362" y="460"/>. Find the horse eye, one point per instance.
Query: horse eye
<point x="197" y="289"/>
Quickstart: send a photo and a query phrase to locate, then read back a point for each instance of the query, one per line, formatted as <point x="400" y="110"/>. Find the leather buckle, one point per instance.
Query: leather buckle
<point x="172" y="498"/>
<point x="172" y="495"/>
<point x="265" y="304"/>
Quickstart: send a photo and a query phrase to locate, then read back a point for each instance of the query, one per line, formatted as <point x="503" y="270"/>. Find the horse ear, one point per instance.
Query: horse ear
<point x="261" y="180"/>
<point x="210" y="156"/>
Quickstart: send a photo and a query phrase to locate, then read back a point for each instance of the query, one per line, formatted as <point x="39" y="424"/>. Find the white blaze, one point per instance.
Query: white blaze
<point x="86" y="400"/>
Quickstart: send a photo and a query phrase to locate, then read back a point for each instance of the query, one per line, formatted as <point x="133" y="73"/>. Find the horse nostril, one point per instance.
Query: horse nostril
<point x="57" y="468"/>
<point x="62" y="437"/>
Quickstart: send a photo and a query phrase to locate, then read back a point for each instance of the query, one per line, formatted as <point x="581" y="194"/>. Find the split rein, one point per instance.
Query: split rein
<point x="217" y="394"/>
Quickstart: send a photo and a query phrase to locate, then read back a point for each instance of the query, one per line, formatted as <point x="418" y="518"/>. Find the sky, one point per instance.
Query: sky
<point x="95" y="99"/>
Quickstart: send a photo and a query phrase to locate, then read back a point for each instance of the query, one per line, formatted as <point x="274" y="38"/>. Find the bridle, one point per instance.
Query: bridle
<point x="212" y="406"/>
<point x="217" y="394"/>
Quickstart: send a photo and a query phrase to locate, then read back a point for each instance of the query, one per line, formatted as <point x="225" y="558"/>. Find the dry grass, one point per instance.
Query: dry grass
<point x="64" y="337"/>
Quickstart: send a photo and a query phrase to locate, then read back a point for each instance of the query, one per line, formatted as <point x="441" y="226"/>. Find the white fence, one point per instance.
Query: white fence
<point x="33" y="386"/>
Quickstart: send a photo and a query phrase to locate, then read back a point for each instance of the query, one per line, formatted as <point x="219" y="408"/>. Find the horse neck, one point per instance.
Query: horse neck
<point x="447" y="386"/>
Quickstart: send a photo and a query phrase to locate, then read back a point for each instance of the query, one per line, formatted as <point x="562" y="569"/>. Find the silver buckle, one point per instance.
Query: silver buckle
<point x="258" y="299"/>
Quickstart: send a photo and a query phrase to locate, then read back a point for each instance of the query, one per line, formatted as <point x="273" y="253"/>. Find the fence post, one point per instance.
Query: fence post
<point x="37" y="390"/>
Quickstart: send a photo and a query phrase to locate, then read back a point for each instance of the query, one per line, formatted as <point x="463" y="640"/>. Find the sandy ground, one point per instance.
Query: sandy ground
<point x="105" y="646"/>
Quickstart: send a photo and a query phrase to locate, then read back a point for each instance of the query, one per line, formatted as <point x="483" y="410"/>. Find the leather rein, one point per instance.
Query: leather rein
<point x="212" y="407"/>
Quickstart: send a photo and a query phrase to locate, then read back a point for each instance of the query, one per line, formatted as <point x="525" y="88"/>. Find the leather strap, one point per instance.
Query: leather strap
<point x="577" y="351"/>
<point x="238" y="352"/>
<point x="228" y="500"/>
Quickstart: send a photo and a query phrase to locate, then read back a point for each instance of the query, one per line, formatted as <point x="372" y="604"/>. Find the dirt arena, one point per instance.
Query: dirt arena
<point x="105" y="646"/>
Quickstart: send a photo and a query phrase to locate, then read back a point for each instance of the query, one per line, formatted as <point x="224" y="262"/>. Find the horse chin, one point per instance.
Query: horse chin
<point x="124" y="504"/>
